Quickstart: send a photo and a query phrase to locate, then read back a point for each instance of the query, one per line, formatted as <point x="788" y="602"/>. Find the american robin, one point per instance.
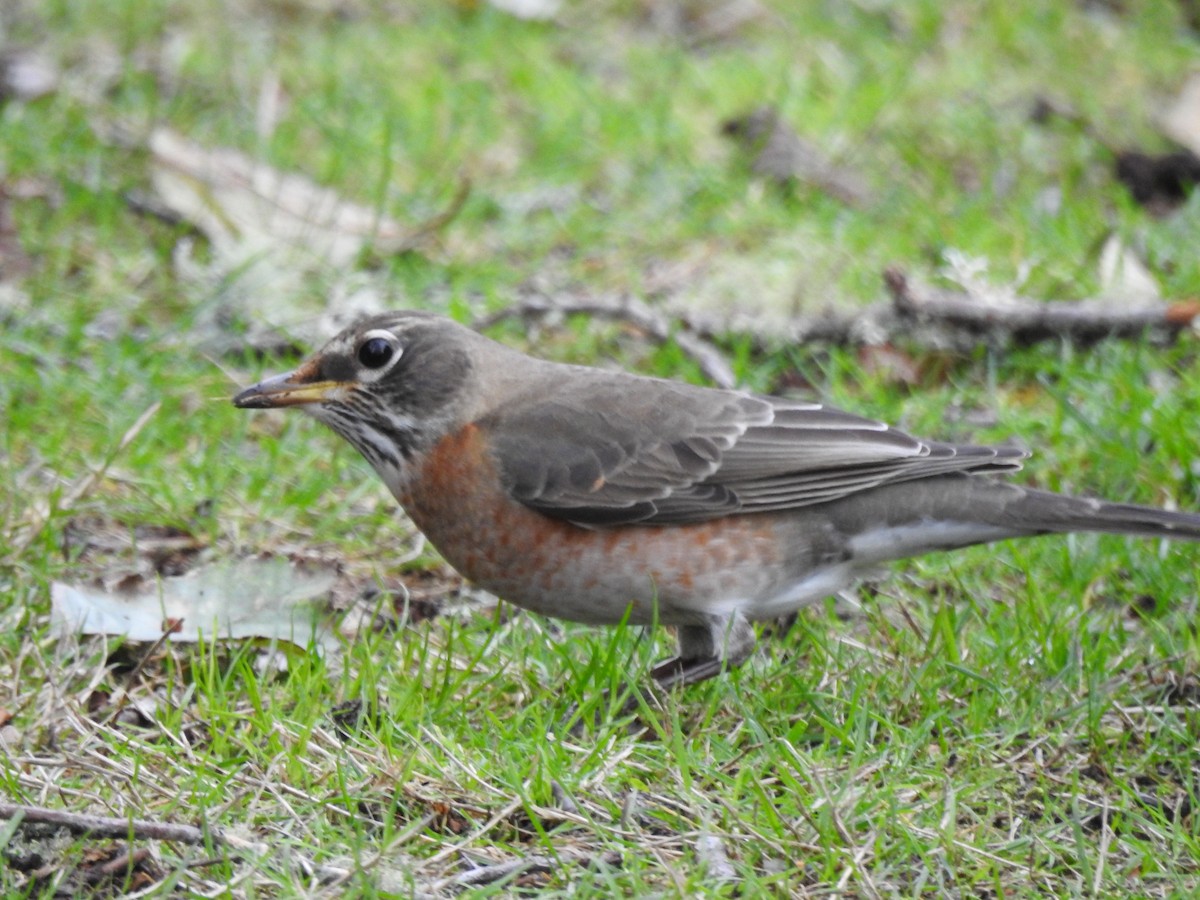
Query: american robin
<point x="598" y="496"/>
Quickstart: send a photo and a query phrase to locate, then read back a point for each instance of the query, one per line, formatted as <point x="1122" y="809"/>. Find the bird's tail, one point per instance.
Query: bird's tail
<point x="1054" y="513"/>
<point x="954" y="511"/>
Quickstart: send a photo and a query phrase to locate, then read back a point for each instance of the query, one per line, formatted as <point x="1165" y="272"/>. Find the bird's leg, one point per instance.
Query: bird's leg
<point x="705" y="651"/>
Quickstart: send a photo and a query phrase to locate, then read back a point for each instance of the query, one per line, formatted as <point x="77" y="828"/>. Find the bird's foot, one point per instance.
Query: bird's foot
<point x="706" y="650"/>
<point x="679" y="672"/>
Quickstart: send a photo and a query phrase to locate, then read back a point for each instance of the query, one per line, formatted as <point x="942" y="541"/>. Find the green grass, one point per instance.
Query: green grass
<point x="1015" y="720"/>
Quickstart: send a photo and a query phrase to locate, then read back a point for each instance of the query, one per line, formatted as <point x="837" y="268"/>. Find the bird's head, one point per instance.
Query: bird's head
<point x="389" y="385"/>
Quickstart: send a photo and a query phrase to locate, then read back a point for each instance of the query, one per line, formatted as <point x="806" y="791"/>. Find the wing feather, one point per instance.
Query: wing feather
<point x="617" y="449"/>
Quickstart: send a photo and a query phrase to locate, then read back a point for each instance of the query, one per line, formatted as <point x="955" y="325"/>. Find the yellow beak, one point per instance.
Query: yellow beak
<point x="285" y="390"/>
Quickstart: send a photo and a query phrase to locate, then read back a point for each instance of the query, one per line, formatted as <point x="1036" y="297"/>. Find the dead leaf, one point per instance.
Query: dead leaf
<point x="270" y="234"/>
<point x="1180" y="121"/>
<point x="248" y="598"/>
<point x="273" y="235"/>
<point x="533" y="10"/>
<point x="248" y="209"/>
<point x="711" y="854"/>
<point x="1123" y="276"/>
<point x="26" y="75"/>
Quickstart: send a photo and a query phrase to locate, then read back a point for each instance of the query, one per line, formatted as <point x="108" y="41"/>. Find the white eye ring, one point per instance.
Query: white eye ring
<point x="378" y="351"/>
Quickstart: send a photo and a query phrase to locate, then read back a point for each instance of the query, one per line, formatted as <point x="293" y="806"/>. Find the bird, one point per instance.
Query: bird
<point x="603" y="496"/>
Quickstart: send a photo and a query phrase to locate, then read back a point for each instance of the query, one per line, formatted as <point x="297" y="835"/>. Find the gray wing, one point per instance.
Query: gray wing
<point x="617" y="449"/>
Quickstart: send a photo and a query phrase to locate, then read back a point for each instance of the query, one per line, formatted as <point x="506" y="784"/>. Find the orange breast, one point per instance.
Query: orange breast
<point x="559" y="569"/>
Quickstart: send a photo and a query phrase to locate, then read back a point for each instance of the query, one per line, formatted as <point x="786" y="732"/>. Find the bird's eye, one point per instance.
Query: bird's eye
<point x="376" y="352"/>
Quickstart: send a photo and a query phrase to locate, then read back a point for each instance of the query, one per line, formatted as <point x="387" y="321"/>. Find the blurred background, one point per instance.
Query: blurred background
<point x="730" y="158"/>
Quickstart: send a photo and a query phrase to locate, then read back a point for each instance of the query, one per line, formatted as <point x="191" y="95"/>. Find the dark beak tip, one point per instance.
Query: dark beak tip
<point x="285" y="390"/>
<point x="265" y="394"/>
<point x="251" y="398"/>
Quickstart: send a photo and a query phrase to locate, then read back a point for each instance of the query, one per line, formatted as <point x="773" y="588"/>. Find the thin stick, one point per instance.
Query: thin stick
<point x="145" y="829"/>
<point x="119" y="864"/>
<point x="113" y="826"/>
<point x="475" y="835"/>
<point x="497" y="872"/>
<point x="1033" y="320"/>
<point x="490" y="874"/>
<point x="921" y="315"/>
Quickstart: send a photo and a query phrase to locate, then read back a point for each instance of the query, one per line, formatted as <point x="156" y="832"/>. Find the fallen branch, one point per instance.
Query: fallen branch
<point x="530" y="865"/>
<point x="874" y="324"/>
<point x="114" y="827"/>
<point x="1027" y="320"/>
<point x="944" y="319"/>
<point x="118" y="865"/>
<point x="150" y="830"/>
<point x="926" y="316"/>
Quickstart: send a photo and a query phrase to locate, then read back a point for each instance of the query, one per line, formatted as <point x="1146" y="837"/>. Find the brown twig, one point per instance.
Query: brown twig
<point x="118" y="865"/>
<point x="926" y="316"/>
<point x="952" y="319"/>
<point x="147" y="829"/>
<point x="1026" y="320"/>
<point x="114" y="827"/>
<point x="529" y="865"/>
